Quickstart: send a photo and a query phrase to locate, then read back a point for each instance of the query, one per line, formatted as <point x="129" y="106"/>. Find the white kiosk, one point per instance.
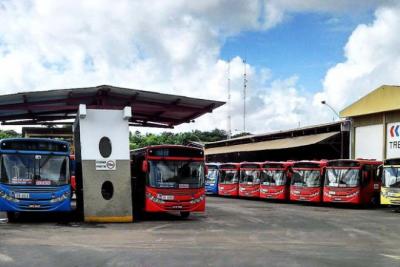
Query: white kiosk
<point x="102" y="156"/>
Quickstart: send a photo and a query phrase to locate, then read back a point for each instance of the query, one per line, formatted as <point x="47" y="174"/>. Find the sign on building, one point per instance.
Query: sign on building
<point x="393" y="140"/>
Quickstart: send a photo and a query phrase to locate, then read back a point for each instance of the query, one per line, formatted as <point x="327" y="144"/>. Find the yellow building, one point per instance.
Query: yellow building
<point x="375" y="124"/>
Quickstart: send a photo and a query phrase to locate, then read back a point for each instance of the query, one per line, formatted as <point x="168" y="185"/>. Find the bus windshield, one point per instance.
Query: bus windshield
<point x="176" y="174"/>
<point x="391" y="177"/>
<point x="275" y="177"/>
<point x="229" y="177"/>
<point x="306" y="178"/>
<point x="250" y="176"/>
<point x="342" y="177"/>
<point x="212" y="176"/>
<point x="19" y="169"/>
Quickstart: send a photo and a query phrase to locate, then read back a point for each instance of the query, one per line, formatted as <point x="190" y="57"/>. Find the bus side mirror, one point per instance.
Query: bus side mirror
<point x="379" y="172"/>
<point x="145" y="166"/>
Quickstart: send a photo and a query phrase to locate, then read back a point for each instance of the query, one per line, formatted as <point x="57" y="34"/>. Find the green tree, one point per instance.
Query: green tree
<point x="138" y="140"/>
<point x="8" y="134"/>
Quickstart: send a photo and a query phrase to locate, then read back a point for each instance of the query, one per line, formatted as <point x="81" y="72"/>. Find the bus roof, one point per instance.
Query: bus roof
<point x="34" y="145"/>
<point x="309" y="164"/>
<point x="352" y="162"/>
<point x="243" y="164"/>
<point x="19" y="139"/>
<point x="278" y="164"/>
<point x="235" y="164"/>
<point x="165" y="151"/>
<point x="392" y="161"/>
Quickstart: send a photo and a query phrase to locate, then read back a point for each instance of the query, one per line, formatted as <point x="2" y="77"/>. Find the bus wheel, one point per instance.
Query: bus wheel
<point x="11" y="216"/>
<point x="185" y="214"/>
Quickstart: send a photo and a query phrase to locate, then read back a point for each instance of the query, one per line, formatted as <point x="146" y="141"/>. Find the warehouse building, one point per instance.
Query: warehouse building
<point x="375" y="124"/>
<point x="324" y="141"/>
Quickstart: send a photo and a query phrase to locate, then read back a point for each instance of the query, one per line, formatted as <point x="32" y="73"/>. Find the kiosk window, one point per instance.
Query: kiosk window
<point x="105" y="147"/>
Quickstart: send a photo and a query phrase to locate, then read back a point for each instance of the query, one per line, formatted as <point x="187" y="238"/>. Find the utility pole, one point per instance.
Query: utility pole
<point x="244" y="95"/>
<point x="229" y="101"/>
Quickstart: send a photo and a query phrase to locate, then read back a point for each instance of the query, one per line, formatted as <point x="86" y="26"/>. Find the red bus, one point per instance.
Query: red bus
<point x="306" y="182"/>
<point x="229" y="179"/>
<point x="249" y="181"/>
<point x="275" y="180"/>
<point x="352" y="181"/>
<point x="168" y="178"/>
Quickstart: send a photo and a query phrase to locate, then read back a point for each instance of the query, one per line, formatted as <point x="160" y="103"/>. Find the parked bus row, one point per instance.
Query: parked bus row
<point x="37" y="175"/>
<point x="359" y="182"/>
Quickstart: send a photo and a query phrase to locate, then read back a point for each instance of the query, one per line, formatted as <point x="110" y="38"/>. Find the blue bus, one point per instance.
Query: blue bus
<point x="212" y="178"/>
<point x="35" y="176"/>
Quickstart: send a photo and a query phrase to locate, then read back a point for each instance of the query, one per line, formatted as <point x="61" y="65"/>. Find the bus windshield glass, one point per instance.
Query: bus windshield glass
<point x="391" y="177"/>
<point x="273" y="177"/>
<point x="229" y="177"/>
<point x="176" y="174"/>
<point x="249" y="176"/>
<point x="342" y="177"/>
<point x="20" y="169"/>
<point x="306" y="178"/>
<point x="212" y="176"/>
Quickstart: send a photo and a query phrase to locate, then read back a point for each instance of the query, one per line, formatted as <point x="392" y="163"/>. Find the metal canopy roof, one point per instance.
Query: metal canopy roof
<point x="272" y="144"/>
<point x="312" y="129"/>
<point x="149" y="109"/>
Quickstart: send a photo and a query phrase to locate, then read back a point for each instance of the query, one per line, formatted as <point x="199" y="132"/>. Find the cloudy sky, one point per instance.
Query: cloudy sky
<point x="298" y="52"/>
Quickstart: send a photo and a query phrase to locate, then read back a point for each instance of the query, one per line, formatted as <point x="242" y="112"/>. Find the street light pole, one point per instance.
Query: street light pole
<point x="323" y="102"/>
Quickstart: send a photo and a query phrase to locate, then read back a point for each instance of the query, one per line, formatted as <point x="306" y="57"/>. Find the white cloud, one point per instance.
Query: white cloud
<point x="372" y="59"/>
<point x="173" y="47"/>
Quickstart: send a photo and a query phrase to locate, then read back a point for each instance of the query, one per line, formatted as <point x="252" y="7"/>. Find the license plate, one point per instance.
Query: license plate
<point x="176" y="207"/>
<point x="34" y="206"/>
<point x="166" y="197"/>
<point x="22" y="195"/>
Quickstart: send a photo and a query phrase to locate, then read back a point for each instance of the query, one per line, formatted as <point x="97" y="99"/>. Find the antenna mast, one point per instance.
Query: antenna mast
<point x="244" y="95"/>
<point x="229" y="101"/>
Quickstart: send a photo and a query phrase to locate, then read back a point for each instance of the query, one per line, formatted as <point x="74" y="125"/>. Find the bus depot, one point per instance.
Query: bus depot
<point x="36" y="173"/>
<point x="113" y="184"/>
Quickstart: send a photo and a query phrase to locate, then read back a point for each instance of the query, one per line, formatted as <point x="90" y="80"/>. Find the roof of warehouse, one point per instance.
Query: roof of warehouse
<point x="383" y="99"/>
<point x="149" y="109"/>
<point x="313" y="129"/>
<point x="298" y="141"/>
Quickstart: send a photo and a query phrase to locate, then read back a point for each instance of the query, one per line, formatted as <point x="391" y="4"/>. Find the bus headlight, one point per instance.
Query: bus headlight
<point x="197" y="200"/>
<point x="154" y="199"/>
<point x="8" y="197"/>
<point x="353" y="194"/>
<point x="60" y="198"/>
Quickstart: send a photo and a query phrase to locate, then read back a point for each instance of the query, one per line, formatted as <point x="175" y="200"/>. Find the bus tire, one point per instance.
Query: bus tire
<point x="11" y="216"/>
<point x="185" y="214"/>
